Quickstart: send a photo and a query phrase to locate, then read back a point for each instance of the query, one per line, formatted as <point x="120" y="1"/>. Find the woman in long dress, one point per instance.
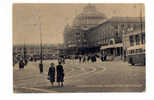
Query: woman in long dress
<point x="51" y="74"/>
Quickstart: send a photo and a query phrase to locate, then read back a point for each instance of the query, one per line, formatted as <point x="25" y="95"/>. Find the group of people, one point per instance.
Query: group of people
<point x="85" y="59"/>
<point x="22" y="63"/>
<point x="60" y="74"/>
<point x="61" y="59"/>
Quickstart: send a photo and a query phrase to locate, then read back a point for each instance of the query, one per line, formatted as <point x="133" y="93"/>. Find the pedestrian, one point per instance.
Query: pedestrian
<point x="60" y="59"/>
<point x="105" y="57"/>
<point x="84" y="59"/>
<point x="88" y="59"/>
<point x="60" y="74"/>
<point x="26" y="62"/>
<point x="21" y="64"/>
<point x="93" y="59"/>
<point x="102" y="58"/>
<point x="63" y="59"/>
<point x="51" y="74"/>
<point x="80" y="58"/>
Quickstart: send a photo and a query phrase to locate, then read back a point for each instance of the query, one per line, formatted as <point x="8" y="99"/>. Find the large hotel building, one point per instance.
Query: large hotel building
<point x="93" y="32"/>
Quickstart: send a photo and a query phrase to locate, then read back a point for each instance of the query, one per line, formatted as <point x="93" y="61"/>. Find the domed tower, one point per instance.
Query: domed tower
<point x="76" y="36"/>
<point x="88" y="18"/>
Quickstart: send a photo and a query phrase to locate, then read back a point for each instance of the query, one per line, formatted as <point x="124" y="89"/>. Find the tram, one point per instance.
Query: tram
<point x="136" y="49"/>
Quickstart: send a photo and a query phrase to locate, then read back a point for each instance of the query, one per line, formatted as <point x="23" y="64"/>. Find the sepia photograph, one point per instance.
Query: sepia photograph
<point x="78" y="47"/>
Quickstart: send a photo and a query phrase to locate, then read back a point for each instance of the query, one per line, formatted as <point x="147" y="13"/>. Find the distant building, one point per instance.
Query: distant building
<point x="48" y="51"/>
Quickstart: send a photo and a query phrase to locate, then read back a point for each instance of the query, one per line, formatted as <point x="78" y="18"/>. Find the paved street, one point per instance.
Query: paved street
<point x="115" y="76"/>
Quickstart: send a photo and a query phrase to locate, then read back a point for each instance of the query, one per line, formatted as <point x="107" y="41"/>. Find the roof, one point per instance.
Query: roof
<point x="89" y="13"/>
<point x="127" y="19"/>
<point x="119" y="19"/>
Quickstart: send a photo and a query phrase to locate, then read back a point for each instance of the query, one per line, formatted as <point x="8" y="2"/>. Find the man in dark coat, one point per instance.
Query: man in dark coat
<point x="60" y="74"/>
<point x="95" y="58"/>
<point x="51" y="74"/>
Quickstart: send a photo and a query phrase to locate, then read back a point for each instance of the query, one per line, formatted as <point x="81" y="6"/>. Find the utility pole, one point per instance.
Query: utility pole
<point x="41" y="52"/>
<point x="141" y="18"/>
<point x="25" y="52"/>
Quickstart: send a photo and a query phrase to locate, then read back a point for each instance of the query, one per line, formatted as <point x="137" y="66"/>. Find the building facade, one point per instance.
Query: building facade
<point x="92" y="32"/>
<point x="111" y="34"/>
<point x="76" y="36"/>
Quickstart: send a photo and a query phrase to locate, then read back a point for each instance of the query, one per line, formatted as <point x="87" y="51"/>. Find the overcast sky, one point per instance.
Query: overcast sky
<point x="54" y="17"/>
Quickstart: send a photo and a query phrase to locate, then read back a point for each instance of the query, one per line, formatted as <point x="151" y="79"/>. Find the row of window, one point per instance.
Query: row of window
<point x="137" y="39"/>
<point x="136" y="51"/>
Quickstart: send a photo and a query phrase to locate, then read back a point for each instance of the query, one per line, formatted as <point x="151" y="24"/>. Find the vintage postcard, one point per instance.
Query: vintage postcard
<point x="78" y="47"/>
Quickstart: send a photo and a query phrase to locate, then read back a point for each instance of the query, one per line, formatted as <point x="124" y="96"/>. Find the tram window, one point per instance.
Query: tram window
<point x="139" y="50"/>
<point x="77" y="33"/>
<point x="143" y="38"/>
<point x="131" y="51"/>
<point x="137" y="38"/>
<point x="128" y="52"/>
<point x="131" y="39"/>
<point x="142" y="50"/>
